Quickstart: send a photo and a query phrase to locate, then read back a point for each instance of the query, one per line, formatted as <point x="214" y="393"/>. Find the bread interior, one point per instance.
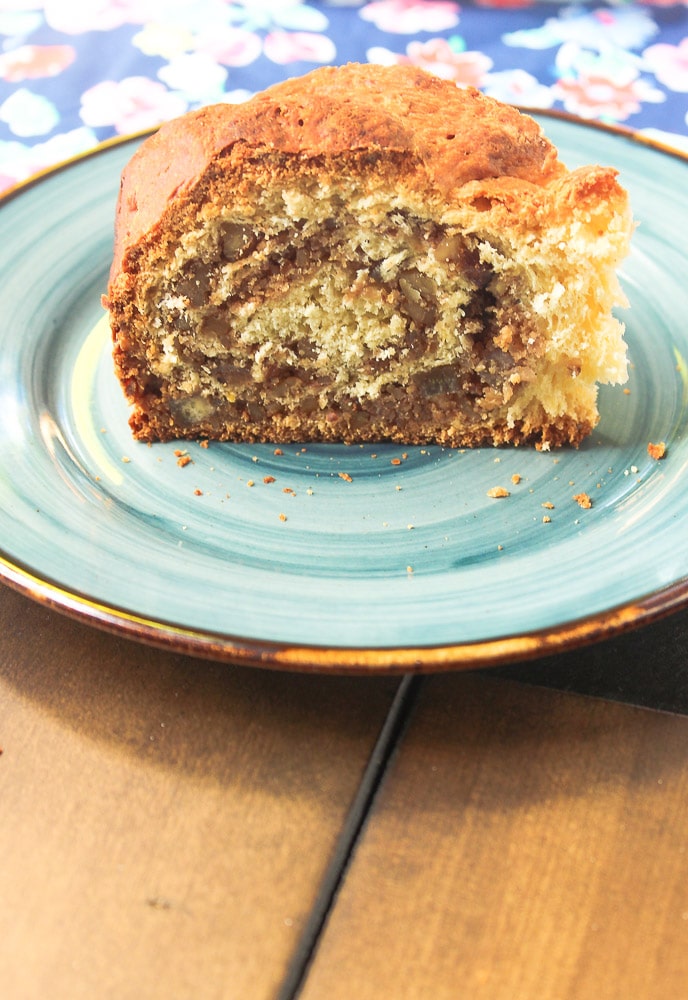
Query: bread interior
<point x="327" y="308"/>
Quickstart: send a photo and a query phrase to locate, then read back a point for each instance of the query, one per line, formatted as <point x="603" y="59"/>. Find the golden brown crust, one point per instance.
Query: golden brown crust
<point x="456" y="135"/>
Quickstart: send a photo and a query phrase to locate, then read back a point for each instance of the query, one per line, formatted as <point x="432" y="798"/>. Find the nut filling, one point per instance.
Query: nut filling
<point x="242" y="332"/>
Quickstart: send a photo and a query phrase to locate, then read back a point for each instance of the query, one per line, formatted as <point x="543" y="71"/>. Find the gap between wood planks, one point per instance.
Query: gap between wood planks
<point x="394" y="725"/>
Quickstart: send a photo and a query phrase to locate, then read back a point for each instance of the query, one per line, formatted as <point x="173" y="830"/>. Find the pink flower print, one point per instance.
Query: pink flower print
<point x="593" y="95"/>
<point x="669" y="63"/>
<point x="132" y="105"/>
<point x="230" y="46"/>
<point x="437" y="57"/>
<point x="507" y="4"/>
<point x="408" y="17"/>
<point x="195" y="76"/>
<point x="30" y="62"/>
<point x="284" y="47"/>
<point x="76" y="17"/>
<point x="516" y="86"/>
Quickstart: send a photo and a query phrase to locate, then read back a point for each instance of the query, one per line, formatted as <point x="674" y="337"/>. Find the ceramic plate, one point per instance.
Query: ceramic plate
<point x="322" y="557"/>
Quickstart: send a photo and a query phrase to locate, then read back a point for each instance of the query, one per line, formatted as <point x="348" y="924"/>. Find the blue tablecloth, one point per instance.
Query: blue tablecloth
<point x="75" y="73"/>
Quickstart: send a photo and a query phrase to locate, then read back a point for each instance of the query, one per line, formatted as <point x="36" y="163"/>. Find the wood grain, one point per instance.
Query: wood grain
<point x="165" y="822"/>
<point x="525" y="845"/>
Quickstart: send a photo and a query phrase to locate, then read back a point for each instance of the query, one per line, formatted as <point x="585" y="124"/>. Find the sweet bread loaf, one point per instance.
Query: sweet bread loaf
<point x="361" y="254"/>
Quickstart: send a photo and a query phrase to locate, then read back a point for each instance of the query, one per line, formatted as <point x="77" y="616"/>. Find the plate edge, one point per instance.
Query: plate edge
<point x="240" y="651"/>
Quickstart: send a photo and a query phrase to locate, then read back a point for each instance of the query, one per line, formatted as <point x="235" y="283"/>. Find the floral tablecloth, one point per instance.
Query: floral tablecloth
<point x="76" y="72"/>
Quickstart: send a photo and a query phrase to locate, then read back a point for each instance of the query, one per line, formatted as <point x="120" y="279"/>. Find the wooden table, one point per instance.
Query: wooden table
<point x="174" y="828"/>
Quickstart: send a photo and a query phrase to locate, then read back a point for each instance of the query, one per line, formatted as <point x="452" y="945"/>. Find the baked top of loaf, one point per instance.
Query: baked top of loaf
<point x="458" y="135"/>
<point x="365" y="253"/>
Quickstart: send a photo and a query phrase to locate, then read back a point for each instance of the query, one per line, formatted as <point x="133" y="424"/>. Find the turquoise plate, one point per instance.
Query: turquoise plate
<point x="351" y="558"/>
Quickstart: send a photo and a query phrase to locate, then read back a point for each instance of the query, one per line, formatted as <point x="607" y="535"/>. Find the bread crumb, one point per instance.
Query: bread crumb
<point x="283" y="517"/>
<point x="395" y="461"/>
<point x="198" y="493"/>
<point x="498" y="491"/>
<point x="516" y="479"/>
<point x="548" y="505"/>
<point x="547" y="519"/>
<point x="583" y="500"/>
<point x="656" y="451"/>
<point x="278" y="451"/>
<point x="250" y="482"/>
<point x="345" y="476"/>
<point x="268" y="479"/>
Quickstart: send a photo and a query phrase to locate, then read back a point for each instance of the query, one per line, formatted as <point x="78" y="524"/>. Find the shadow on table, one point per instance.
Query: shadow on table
<point x="647" y="666"/>
<point x="198" y="716"/>
<point x="178" y="711"/>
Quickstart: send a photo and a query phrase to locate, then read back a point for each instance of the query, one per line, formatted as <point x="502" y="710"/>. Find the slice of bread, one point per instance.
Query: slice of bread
<point x="365" y="254"/>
